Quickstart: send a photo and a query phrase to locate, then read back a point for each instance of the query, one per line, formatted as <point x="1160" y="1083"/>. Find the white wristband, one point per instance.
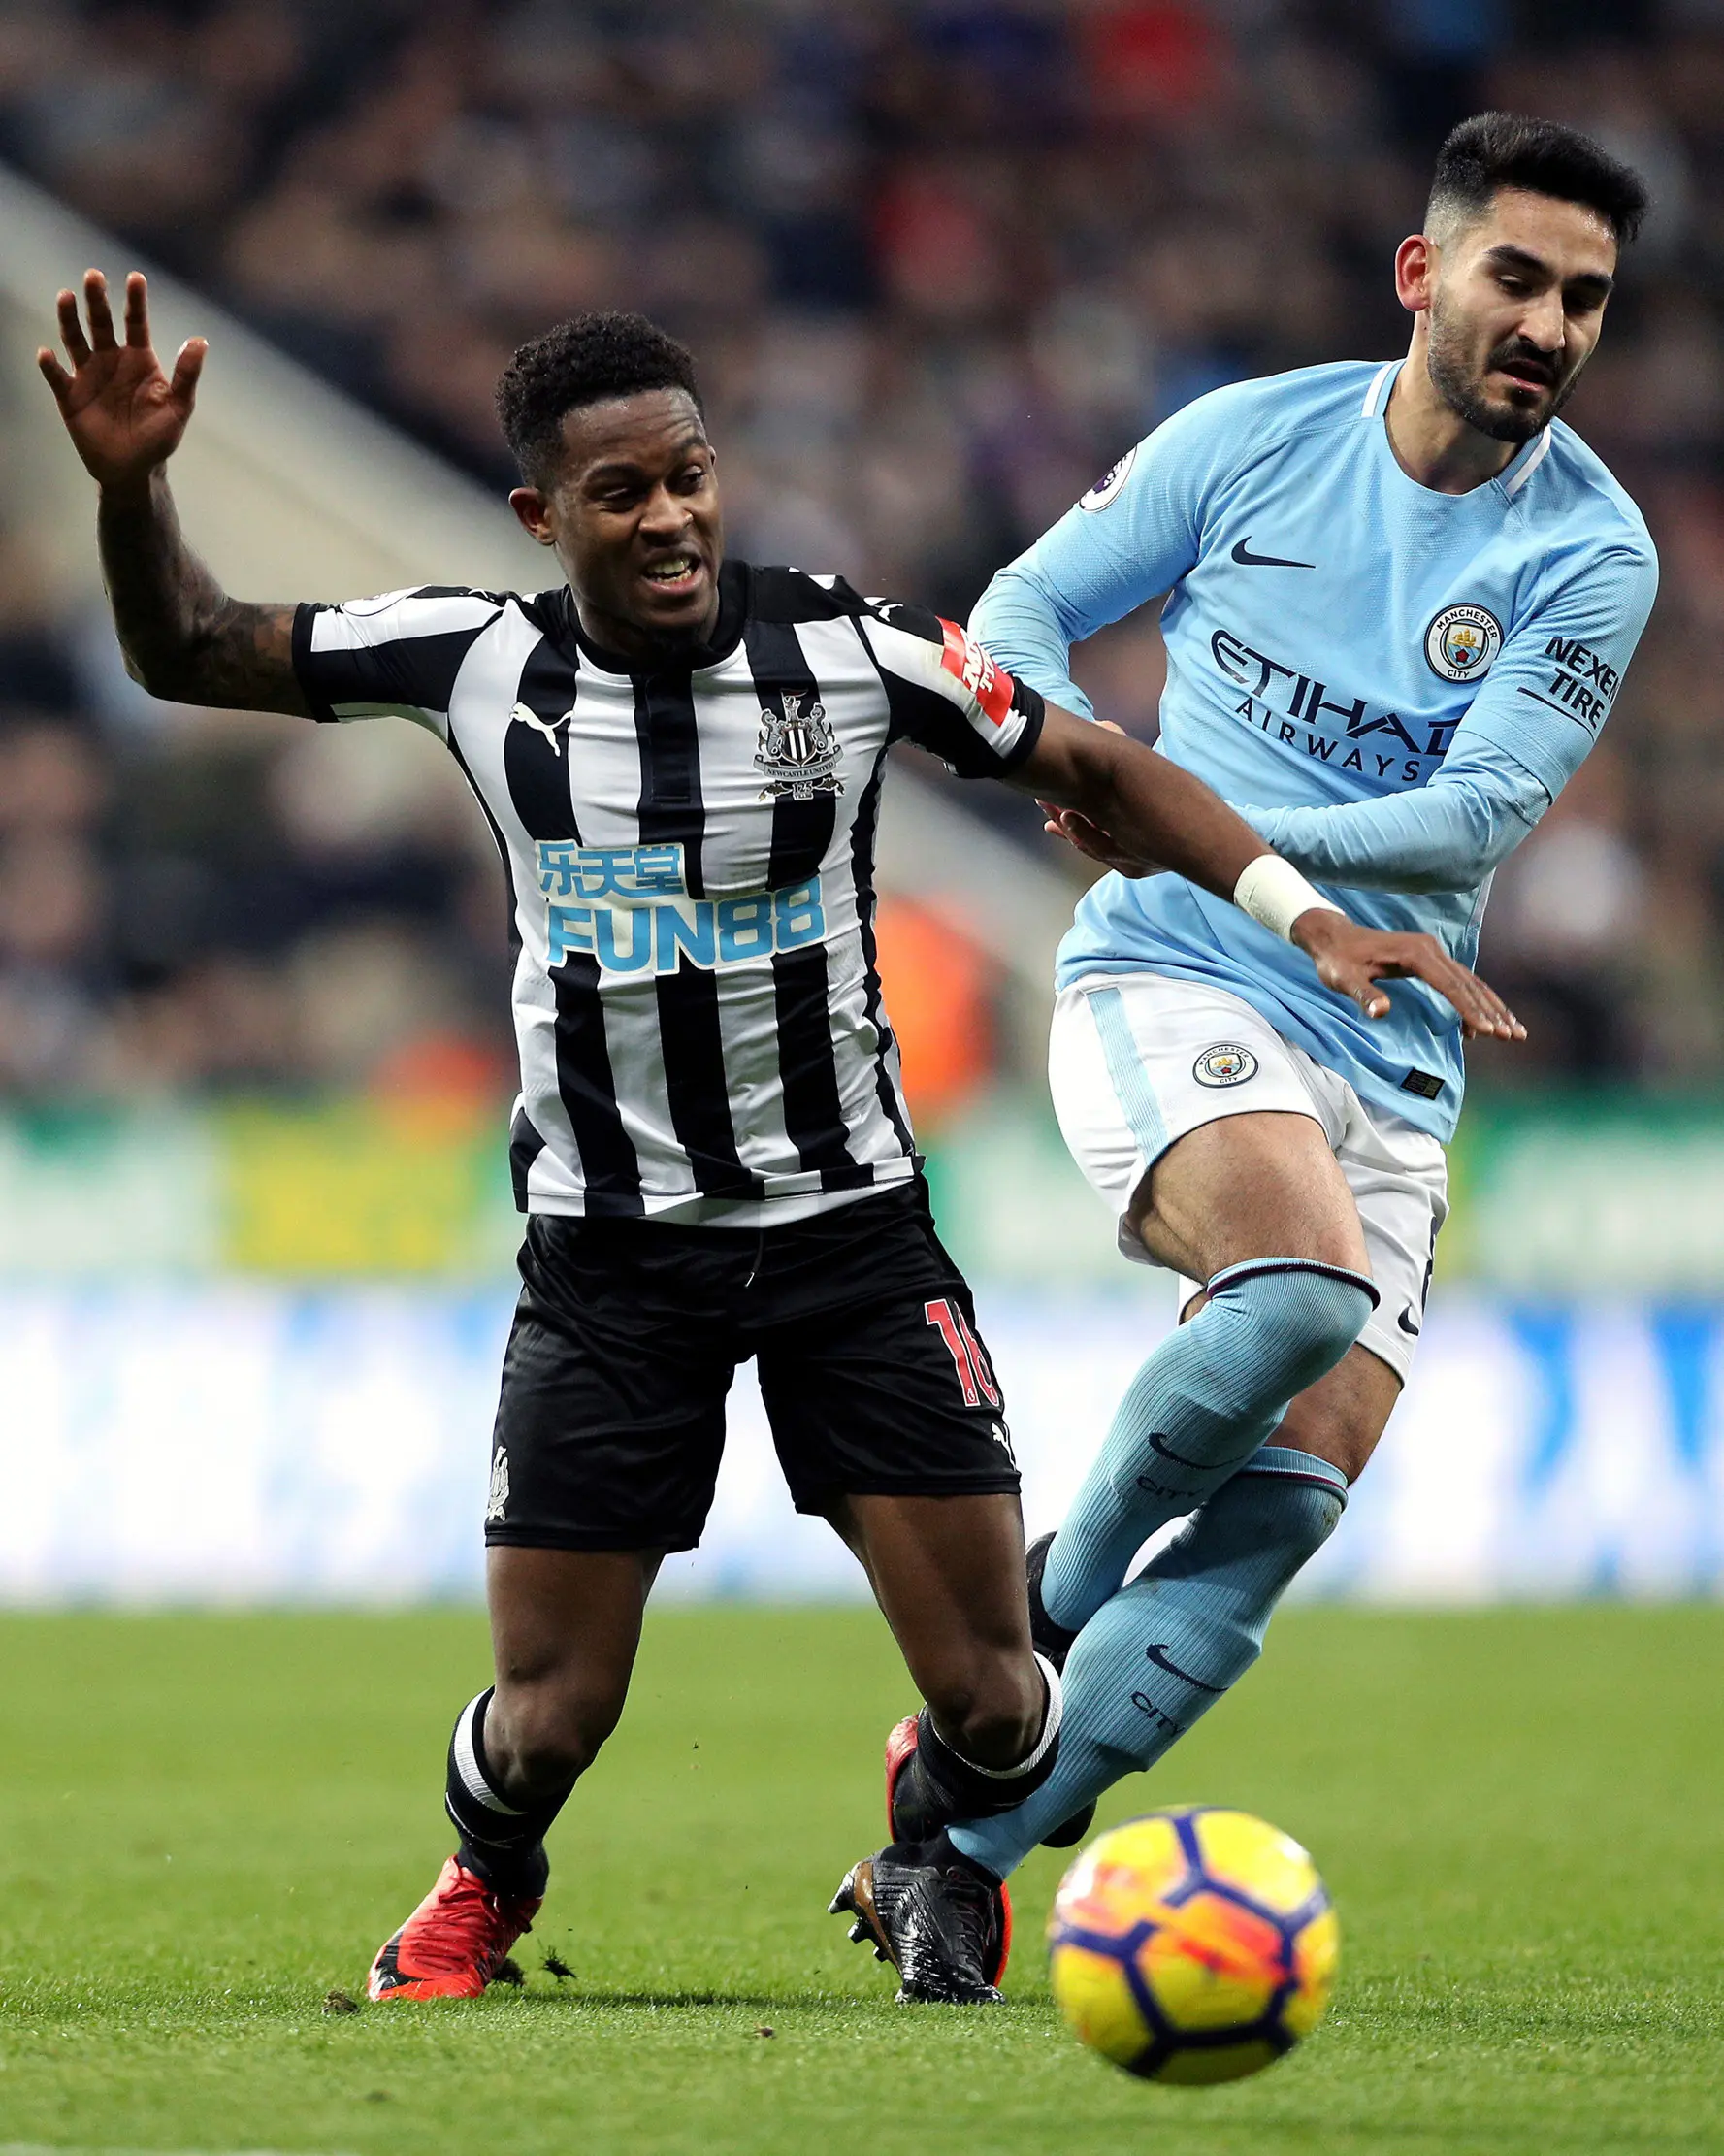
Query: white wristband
<point x="1272" y="891"/>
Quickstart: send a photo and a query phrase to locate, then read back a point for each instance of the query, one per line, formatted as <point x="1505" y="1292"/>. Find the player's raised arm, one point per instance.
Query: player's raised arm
<point x="948" y="694"/>
<point x="181" y="635"/>
<point x="1155" y="812"/>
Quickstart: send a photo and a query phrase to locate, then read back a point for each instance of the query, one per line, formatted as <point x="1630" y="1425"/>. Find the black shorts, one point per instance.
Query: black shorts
<point x="628" y="1334"/>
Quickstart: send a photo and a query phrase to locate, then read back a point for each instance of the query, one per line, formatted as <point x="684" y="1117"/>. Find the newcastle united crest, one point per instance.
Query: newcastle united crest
<point x="797" y="752"/>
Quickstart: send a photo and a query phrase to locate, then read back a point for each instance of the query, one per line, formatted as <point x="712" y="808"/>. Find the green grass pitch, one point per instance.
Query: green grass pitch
<point x="207" y="1824"/>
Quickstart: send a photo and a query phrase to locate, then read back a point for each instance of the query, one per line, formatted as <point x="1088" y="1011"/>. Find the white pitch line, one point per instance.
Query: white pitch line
<point x="84" y="2148"/>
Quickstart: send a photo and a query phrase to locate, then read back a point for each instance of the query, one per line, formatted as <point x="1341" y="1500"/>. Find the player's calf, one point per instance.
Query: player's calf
<point x="917" y="1806"/>
<point x="995" y="1716"/>
<point x="502" y="1835"/>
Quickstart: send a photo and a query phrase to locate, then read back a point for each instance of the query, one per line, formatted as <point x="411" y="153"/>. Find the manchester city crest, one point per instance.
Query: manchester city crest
<point x="1225" y="1065"/>
<point x="798" y="752"/>
<point x="1462" y="642"/>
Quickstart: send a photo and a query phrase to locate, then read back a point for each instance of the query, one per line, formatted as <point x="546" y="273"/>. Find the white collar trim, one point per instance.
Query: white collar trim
<point x="1368" y="409"/>
<point x="1512" y="482"/>
<point x="1531" y="459"/>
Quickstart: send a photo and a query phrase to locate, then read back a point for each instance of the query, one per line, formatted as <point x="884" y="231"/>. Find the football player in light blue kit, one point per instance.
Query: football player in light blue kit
<point x="1401" y="602"/>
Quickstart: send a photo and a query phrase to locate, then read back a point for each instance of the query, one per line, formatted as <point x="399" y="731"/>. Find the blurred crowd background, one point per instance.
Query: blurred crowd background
<point x="940" y="264"/>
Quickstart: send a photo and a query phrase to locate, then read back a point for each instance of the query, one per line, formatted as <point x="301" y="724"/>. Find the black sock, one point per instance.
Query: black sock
<point x="940" y="1785"/>
<point x="504" y="1842"/>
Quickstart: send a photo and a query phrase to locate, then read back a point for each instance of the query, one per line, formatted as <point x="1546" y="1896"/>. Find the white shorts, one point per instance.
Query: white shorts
<point x="1137" y="1059"/>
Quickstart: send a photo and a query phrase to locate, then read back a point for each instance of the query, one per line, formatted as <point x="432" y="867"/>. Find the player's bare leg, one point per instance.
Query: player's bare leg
<point x="564" y="1628"/>
<point x="1341" y="1417"/>
<point x="1246" y="1187"/>
<point x="948" y="1573"/>
<point x="564" y="1631"/>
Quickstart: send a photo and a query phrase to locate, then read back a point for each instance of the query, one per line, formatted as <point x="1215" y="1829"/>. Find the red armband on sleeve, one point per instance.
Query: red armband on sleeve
<point x="989" y="685"/>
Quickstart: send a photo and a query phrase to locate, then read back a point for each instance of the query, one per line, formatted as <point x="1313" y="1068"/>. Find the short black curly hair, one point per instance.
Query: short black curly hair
<point x="1492" y="151"/>
<point x="583" y="361"/>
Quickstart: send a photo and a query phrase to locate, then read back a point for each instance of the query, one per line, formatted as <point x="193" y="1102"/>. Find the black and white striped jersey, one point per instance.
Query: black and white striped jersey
<point x="692" y="859"/>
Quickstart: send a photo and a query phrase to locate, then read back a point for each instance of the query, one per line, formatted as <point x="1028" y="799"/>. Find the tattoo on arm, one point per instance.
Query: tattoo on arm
<point x="182" y="636"/>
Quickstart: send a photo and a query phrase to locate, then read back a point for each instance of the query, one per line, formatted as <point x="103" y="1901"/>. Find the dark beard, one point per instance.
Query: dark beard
<point x="1460" y="390"/>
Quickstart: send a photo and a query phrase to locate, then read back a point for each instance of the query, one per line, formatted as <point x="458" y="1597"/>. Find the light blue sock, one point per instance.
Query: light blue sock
<point x="1198" y="1408"/>
<point x="1164" y="1649"/>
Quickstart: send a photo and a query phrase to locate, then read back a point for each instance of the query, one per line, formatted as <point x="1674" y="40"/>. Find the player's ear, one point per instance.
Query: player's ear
<point x="535" y="513"/>
<point x="1416" y="271"/>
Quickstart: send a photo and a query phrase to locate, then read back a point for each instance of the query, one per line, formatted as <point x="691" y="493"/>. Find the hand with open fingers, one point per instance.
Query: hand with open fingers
<point x="1076" y="829"/>
<point x="125" y="415"/>
<point x="1352" y="960"/>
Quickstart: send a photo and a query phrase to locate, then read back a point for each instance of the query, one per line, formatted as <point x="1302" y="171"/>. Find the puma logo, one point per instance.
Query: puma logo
<point x="546" y="728"/>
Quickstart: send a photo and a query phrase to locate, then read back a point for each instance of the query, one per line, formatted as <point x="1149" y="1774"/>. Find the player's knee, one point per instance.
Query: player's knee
<point x="1345" y="1442"/>
<point x="1300" y="1317"/>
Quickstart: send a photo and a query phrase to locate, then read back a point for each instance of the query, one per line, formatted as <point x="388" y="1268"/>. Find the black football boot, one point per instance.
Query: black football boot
<point x="940" y="1920"/>
<point x="1049" y="1639"/>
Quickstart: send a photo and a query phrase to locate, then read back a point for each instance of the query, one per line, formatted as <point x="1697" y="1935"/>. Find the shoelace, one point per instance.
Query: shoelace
<point x="466" y="1927"/>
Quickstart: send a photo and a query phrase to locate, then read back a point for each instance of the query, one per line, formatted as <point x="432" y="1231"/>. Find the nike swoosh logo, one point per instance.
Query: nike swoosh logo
<point x="1164" y="1661"/>
<point x="1158" y="1444"/>
<point x="1411" y="1330"/>
<point x="1245" y="559"/>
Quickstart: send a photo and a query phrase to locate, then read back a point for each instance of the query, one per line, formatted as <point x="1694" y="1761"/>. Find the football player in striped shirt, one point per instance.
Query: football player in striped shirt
<point x="681" y="757"/>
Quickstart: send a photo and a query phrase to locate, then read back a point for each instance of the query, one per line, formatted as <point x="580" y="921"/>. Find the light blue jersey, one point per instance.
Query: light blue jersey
<point x="1391" y="684"/>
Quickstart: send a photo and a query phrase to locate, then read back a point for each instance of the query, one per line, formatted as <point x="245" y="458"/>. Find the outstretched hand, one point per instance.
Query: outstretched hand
<point x="1077" y="830"/>
<point x="1089" y="837"/>
<point x="125" y="415"/>
<point x="1349" y="958"/>
<point x="1352" y="960"/>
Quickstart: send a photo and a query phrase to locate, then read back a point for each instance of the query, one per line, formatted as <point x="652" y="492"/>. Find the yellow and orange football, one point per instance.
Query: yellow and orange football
<point x="1193" y="1945"/>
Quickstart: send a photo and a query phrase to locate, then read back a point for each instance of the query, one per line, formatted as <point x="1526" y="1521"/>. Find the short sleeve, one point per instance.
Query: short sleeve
<point x="398" y="654"/>
<point x="1555" y="682"/>
<point x="945" y="693"/>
